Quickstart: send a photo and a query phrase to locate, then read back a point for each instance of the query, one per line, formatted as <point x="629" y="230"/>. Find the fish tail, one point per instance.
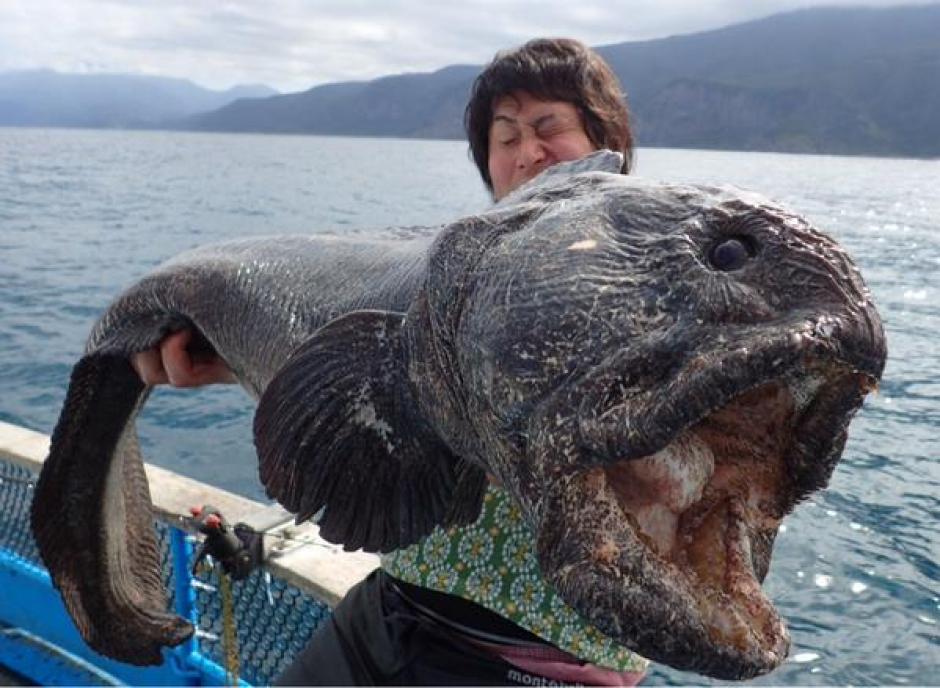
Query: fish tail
<point x="92" y="517"/>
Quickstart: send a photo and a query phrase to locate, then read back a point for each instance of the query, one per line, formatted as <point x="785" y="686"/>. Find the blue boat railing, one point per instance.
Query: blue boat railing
<point x="275" y="609"/>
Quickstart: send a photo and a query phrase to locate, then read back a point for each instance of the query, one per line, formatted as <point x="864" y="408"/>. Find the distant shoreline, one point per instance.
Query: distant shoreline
<point x="378" y="137"/>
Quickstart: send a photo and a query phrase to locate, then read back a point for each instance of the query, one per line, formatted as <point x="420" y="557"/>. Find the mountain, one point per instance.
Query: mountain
<point x="859" y="80"/>
<point x="48" y="98"/>
<point x="405" y="105"/>
<point x="822" y="80"/>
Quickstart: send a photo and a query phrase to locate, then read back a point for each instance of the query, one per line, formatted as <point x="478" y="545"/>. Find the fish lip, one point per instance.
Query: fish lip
<point x="647" y="597"/>
<point x="644" y="423"/>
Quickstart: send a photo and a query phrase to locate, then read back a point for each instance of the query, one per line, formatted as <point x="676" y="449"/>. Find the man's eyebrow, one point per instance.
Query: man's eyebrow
<point x="505" y="118"/>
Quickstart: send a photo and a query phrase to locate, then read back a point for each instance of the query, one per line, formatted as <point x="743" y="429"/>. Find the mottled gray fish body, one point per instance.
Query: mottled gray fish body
<point x="656" y="373"/>
<point x="283" y="286"/>
<point x="253" y="302"/>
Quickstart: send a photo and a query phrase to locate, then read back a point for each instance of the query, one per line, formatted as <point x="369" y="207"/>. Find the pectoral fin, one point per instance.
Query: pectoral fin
<point x="339" y="429"/>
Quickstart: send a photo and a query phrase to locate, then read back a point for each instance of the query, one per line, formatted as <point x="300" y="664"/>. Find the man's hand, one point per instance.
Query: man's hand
<point x="172" y="363"/>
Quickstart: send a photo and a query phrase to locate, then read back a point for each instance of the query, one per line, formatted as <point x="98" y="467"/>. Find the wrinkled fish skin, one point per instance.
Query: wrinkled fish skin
<point x="656" y="373"/>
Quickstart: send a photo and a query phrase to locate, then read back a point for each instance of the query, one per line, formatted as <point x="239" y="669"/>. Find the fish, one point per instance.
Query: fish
<point x="657" y="374"/>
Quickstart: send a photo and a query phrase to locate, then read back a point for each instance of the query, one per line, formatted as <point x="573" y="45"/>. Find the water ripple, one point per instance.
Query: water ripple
<point x="85" y="213"/>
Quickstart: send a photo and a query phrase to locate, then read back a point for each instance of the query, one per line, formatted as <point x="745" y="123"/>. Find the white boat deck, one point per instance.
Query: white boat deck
<point x="296" y="554"/>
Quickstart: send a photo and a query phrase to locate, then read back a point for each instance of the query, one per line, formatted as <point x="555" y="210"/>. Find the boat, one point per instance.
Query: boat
<point x="247" y="630"/>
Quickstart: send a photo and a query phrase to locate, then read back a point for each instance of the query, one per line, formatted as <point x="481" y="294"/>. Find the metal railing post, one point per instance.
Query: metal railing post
<point x="181" y="550"/>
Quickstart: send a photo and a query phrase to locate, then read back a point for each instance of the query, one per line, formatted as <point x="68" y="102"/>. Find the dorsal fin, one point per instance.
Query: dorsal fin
<point x="599" y="161"/>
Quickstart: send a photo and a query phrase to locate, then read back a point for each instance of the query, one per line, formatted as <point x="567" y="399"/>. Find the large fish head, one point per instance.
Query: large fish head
<point x="657" y="374"/>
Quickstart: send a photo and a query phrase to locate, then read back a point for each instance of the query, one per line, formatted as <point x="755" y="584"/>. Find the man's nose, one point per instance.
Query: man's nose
<point x="531" y="151"/>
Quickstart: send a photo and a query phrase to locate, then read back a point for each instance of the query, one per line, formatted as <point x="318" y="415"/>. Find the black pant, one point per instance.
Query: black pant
<point x="379" y="636"/>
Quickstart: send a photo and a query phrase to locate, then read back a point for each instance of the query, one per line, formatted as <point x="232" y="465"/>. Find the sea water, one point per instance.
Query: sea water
<point x="855" y="570"/>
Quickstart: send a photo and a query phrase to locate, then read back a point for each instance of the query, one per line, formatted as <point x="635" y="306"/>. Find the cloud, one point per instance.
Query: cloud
<point x="295" y="44"/>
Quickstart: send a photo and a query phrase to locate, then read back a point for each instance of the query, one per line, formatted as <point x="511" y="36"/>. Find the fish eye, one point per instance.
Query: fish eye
<point x="731" y="253"/>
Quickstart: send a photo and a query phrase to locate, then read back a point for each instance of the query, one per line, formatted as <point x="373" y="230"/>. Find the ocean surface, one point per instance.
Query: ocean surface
<point x="855" y="571"/>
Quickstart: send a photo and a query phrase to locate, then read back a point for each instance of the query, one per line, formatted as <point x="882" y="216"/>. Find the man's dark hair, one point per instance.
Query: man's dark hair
<point x="551" y="69"/>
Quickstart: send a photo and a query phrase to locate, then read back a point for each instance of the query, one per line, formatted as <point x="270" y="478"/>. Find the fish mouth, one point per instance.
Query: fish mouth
<point x="662" y="540"/>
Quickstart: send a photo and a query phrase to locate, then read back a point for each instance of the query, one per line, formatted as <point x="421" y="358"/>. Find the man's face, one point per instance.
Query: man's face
<point x="528" y="135"/>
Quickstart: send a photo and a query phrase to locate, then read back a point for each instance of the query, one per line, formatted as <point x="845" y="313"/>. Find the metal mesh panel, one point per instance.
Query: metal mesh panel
<point x="166" y="564"/>
<point x="274" y="619"/>
<point x="16" y="495"/>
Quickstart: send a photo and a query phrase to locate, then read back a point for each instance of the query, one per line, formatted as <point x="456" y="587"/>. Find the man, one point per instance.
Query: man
<point x="549" y="101"/>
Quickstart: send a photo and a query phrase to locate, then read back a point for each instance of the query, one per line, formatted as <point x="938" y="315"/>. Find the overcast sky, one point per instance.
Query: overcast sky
<point x="292" y="45"/>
